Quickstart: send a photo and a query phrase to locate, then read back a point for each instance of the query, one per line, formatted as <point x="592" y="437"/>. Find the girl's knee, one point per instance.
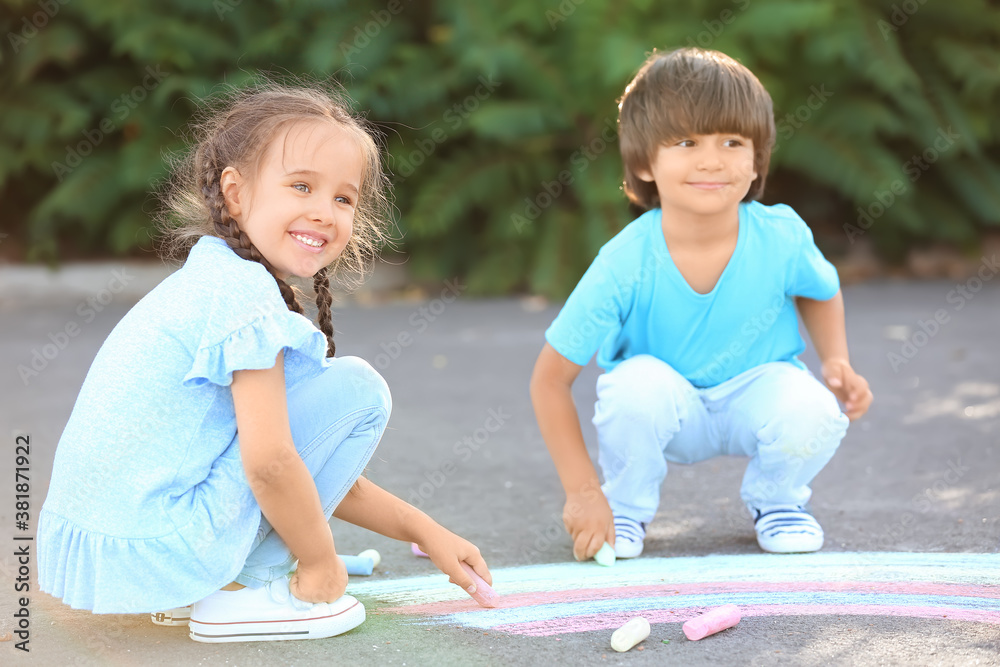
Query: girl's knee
<point x="367" y="385"/>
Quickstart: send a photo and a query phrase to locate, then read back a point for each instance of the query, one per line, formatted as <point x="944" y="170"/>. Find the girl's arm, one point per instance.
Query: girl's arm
<point x="374" y="508"/>
<point x="282" y="484"/>
<point x="824" y="320"/>
<point x="587" y="515"/>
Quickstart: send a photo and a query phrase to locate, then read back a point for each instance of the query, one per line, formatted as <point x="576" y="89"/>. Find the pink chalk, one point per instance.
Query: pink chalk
<point x="484" y="594"/>
<point x="711" y="622"/>
<point x="416" y="551"/>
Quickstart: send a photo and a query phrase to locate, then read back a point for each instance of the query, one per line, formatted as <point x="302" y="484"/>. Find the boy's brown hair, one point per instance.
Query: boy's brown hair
<point x="685" y="92"/>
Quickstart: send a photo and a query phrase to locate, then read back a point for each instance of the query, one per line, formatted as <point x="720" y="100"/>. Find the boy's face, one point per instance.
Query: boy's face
<point x="702" y="175"/>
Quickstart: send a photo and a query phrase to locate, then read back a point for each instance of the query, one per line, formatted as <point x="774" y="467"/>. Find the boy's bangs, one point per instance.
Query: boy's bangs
<point x="717" y="108"/>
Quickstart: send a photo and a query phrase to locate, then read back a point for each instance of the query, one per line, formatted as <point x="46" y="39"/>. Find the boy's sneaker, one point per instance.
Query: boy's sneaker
<point x="629" y="535"/>
<point x="787" y="530"/>
<point x="270" y="613"/>
<point x="174" y="617"/>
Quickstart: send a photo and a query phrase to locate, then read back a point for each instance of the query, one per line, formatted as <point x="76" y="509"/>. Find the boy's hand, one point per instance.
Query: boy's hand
<point x="589" y="521"/>
<point x="447" y="550"/>
<point x="850" y="388"/>
<point x="325" y="582"/>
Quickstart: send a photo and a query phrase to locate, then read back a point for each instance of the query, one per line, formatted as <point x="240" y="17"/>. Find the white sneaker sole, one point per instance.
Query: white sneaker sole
<point x="171" y="617"/>
<point x="279" y="630"/>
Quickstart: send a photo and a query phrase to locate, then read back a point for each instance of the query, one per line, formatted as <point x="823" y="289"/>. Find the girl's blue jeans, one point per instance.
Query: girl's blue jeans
<point x="647" y="415"/>
<point x="337" y="419"/>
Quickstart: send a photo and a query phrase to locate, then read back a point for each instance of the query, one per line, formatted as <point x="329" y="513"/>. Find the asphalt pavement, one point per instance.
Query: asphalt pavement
<point x="920" y="474"/>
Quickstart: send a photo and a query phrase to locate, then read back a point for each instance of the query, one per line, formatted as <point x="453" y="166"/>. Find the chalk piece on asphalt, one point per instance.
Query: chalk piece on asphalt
<point x="371" y="553"/>
<point x="606" y="556"/>
<point x="712" y="621"/>
<point x="416" y="550"/>
<point x="358" y="565"/>
<point x="484" y="594"/>
<point x="630" y="634"/>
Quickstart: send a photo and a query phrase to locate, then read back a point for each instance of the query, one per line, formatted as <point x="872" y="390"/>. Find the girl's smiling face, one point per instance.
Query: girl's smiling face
<point x="298" y="210"/>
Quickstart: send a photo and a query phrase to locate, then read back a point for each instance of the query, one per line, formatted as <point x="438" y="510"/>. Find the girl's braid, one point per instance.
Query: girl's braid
<point x="321" y="285"/>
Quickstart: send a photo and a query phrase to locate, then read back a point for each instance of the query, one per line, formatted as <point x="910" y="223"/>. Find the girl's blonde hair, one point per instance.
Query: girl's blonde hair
<point x="685" y="92"/>
<point x="234" y="129"/>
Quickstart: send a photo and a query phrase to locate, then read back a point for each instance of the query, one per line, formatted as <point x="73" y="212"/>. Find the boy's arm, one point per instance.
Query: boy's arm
<point x="369" y="506"/>
<point x="824" y="320"/>
<point x="282" y="484"/>
<point x="587" y="515"/>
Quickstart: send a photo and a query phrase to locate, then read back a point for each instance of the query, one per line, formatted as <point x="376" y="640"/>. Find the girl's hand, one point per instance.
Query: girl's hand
<point x="323" y="582"/>
<point x="447" y="550"/>
<point x="850" y="388"/>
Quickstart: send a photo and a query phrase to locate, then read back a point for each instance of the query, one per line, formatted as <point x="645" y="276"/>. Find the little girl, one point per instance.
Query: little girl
<point x="215" y="433"/>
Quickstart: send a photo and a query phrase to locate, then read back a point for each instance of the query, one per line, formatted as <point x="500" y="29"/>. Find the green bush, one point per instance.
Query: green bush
<point x="499" y="117"/>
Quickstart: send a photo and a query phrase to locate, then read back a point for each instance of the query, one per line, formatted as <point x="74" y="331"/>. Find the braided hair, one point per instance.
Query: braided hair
<point x="235" y="131"/>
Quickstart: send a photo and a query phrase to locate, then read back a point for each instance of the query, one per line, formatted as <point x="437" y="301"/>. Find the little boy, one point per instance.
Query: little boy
<point x="691" y="310"/>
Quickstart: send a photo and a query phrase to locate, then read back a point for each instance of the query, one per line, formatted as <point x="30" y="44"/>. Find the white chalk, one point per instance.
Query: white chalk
<point x="357" y="564"/>
<point x="371" y="553"/>
<point x="606" y="555"/>
<point x="630" y="634"/>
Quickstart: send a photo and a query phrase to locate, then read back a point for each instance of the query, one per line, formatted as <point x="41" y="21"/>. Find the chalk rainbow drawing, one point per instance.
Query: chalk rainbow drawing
<point x="542" y="600"/>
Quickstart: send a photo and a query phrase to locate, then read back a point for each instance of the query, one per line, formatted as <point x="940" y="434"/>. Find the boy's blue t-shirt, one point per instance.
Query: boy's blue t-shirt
<point x="633" y="300"/>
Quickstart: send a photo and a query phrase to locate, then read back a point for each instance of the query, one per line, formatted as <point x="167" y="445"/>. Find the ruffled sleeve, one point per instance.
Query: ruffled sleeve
<point x="256" y="345"/>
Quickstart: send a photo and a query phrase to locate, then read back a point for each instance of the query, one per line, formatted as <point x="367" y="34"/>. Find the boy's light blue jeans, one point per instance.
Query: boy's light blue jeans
<point x="647" y="414"/>
<point x="337" y="419"/>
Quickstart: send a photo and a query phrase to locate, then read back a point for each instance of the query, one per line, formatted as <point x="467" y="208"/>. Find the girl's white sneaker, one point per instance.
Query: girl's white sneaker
<point x="173" y="617"/>
<point x="270" y="613"/>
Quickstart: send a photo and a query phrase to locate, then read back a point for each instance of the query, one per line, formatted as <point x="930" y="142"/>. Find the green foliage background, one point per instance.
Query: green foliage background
<point x="484" y="105"/>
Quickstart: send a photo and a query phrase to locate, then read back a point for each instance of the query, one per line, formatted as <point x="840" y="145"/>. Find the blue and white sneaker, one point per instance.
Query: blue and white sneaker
<point x="787" y="530"/>
<point x="629" y="535"/>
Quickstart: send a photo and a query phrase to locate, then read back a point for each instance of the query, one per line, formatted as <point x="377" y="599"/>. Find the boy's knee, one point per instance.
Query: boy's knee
<point x="641" y="386"/>
<point x="814" y="429"/>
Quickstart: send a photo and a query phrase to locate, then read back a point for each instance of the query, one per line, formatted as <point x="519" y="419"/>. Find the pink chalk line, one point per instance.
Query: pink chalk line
<point x="610" y="620"/>
<point x="666" y="590"/>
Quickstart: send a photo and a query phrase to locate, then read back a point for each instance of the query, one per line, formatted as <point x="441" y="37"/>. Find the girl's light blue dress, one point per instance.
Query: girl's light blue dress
<point x="147" y="485"/>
